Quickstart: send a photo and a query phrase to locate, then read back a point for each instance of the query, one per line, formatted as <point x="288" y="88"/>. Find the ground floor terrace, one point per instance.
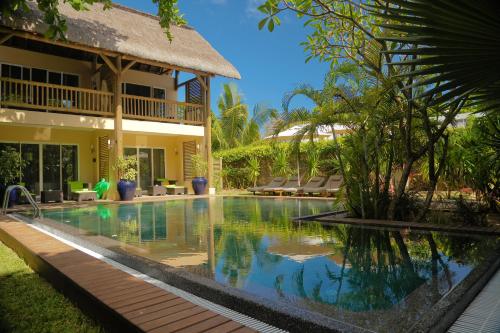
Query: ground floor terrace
<point x="57" y="149"/>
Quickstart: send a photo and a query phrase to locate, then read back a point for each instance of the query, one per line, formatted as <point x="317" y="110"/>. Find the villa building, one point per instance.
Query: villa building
<point x="116" y="86"/>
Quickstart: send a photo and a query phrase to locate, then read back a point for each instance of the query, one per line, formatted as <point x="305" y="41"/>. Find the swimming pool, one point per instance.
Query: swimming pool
<point x="372" y="278"/>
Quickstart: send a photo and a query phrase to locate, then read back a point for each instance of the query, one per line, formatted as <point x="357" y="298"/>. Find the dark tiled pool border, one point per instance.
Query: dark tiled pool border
<point x="282" y="315"/>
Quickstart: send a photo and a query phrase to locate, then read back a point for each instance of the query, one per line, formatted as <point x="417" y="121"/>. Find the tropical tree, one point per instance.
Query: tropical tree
<point x="235" y="126"/>
<point x="168" y="13"/>
<point x="350" y="32"/>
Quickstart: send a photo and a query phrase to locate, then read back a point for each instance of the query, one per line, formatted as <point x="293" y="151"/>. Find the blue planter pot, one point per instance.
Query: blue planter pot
<point x="126" y="189"/>
<point x="199" y="185"/>
<point x="13" y="197"/>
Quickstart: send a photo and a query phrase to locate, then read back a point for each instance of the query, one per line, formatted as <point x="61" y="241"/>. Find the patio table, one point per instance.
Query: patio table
<point x="52" y="196"/>
<point x="157" y="190"/>
<point x="84" y="195"/>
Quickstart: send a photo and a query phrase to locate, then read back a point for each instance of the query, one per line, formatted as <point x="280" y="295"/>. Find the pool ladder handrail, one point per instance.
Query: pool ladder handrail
<point x="27" y="194"/>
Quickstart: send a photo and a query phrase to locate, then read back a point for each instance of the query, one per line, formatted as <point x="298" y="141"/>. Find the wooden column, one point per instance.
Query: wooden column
<point x="118" y="108"/>
<point x="208" y="134"/>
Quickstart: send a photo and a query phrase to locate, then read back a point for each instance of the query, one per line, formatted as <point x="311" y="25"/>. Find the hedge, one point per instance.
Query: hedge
<point x="235" y="160"/>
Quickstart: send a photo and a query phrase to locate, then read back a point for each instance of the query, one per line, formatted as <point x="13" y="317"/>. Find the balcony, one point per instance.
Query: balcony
<point x="35" y="96"/>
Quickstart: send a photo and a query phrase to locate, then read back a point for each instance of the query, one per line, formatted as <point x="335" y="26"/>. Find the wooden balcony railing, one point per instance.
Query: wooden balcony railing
<point x="29" y="95"/>
<point x="50" y="97"/>
<point x="145" y="108"/>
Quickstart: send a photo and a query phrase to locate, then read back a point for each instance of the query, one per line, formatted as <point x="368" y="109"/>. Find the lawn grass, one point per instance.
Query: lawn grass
<point x="29" y="304"/>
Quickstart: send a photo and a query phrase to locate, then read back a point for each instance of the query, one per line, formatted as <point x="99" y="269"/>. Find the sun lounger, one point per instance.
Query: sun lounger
<point x="290" y="186"/>
<point x="333" y="184"/>
<point x="276" y="182"/>
<point x="313" y="186"/>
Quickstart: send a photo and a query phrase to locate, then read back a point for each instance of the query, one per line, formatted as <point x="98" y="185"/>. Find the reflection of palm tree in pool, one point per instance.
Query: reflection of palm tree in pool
<point x="376" y="271"/>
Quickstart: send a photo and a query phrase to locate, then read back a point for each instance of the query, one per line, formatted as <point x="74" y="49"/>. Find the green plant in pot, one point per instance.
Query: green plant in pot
<point x="11" y="165"/>
<point x="127" y="172"/>
<point x="200" y="168"/>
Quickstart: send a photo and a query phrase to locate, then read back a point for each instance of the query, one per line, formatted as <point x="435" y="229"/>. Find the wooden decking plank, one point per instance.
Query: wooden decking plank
<point x="225" y="328"/>
<point x="130" y="300"/>
<point x="187" y="322"/>
<point x="120" y="284"/>
<point x="117" y="286"/>
<point x="144" y="305"/>
<point x="150" y="325"/>
<point x="150" y="302"/>
<point x="204" y="325"/>
<point x="154" y="308"/>
<point x="131" y="295"/>
<point x="168" y="311"/>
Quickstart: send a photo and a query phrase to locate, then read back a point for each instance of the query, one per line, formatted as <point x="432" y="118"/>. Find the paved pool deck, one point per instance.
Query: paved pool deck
<point x="118" y="300"/>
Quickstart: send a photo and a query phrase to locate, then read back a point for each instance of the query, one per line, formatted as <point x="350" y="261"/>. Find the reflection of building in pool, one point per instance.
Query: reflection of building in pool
<point x="180" y="238"/>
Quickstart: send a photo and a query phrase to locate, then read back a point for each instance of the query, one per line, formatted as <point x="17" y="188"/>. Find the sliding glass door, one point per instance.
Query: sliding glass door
<point x="150" y="164"/>
<point x="30" y="153"/>
<point x="51" y="167"/>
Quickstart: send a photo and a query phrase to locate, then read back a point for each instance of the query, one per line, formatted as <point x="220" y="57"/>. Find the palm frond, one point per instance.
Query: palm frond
<point x="455" y="43"/>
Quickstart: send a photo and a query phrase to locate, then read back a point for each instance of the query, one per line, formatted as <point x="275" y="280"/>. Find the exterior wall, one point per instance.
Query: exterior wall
<point x="31" y="59"/>
<point x="40" y="119"/>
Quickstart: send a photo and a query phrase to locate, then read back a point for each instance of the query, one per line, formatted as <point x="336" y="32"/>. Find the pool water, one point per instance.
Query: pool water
<point x="382" y="280"/>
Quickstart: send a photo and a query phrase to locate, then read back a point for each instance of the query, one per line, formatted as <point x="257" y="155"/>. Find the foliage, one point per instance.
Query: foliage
<point x="126" y="168"/>
<point x="233" y="127"/>
<point x="281" y="162"/>
<point x="29" y="304"/>
<point x="253" y="169"/>
<point x="430" y="34"/>
<point x="200" y="166"/>
<point x="168" y="13"/>
<point x="11" y="165"/>
<point x="391" y="130"/>
<point x="313" y="162"/>
<point x="237" y="171"/>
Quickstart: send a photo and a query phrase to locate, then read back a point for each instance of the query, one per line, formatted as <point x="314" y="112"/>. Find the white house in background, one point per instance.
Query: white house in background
<point x="323" y="133"/>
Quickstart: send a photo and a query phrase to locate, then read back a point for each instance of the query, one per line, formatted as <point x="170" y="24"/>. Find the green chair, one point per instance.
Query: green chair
<point x="79" y="191"/>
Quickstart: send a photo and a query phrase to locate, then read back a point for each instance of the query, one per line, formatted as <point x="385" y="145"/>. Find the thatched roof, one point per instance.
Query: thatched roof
<point x="130" y="32"/>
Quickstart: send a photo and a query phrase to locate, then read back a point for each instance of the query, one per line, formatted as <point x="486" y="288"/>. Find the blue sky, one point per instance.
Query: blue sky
<point x="270" y="64"/>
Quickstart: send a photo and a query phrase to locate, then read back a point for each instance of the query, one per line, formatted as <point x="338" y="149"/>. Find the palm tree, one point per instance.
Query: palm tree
<point x="450" y="47"/>
<point x="235" y="126"/>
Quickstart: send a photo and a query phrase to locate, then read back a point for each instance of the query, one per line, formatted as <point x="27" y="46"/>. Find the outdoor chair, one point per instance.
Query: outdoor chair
<point x="290" y="186"/>
<point x="313" y="186"/>
<point x="276" y="182"/>
<point x="79" y="191"/>
<point x="333" y="184"/>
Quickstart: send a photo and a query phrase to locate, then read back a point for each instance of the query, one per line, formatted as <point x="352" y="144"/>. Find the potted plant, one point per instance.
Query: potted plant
<point x="11" y="165"/>
<point x="200" y="167"/>
<point x="127" y="171"/>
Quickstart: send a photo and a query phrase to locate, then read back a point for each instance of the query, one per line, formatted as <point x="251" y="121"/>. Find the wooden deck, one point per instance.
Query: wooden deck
<point x="121" y="302"/>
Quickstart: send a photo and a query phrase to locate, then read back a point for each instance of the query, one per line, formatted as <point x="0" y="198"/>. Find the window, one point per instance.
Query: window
<point x="30" y="154"/>
<point x="57" y="165"/>
<point x="150" y="164"/>
<point x="39" y="75"/>
<point x="136" y="90"/>
<point x="159" y="163"/>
